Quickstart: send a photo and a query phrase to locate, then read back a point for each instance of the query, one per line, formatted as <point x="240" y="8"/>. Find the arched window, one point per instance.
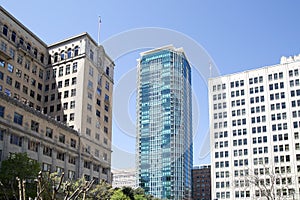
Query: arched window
<point x="13" y="36"/>
<point x="28" y="46"/>
<point x="107" y="71"/>
<point x="55" y="57"/>
<point x="35" y="52"/>
<point x="69" y="53"/>
<point x="76" y="51"/>
<point x="21" y="41"/>
<point x="5" y="30"/>
<point x="42" y="58"/>
<point x="62" y="55"/>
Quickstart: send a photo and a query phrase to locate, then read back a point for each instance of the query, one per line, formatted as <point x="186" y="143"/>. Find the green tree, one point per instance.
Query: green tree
<point x="103" y="190"/>
<point x="21" y="166"/>
<point x="119" y="195"/>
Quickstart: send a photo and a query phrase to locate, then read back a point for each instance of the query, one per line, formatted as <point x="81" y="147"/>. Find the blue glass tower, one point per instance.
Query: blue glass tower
<point x="164" y="123"/>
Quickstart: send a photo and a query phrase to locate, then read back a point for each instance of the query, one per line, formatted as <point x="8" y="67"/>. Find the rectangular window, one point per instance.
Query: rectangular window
<point x="16" y="140"/>
<point x="73" y="143"/>
<point x="34" y="126"/>
<point x="2" y="110"/>
<point x="10" y="68"/>
<point x="74" y="81"/>
<point x="68" y="69"/>
<point x="60" y="71"/>
<point x="61" y="138"/>
<point x="18" y="118"/>
<point x="74" y="67"/>
<point x="49" y="132"/>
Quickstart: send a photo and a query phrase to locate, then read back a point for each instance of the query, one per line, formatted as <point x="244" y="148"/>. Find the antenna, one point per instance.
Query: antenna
<point x="99" y="24"/>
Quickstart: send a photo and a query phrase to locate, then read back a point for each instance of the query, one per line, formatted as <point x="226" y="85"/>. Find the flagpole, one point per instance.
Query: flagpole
<point x="99" y="23"/>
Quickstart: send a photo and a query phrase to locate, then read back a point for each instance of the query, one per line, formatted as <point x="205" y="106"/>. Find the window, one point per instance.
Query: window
<point x="91" y="54"/>
<point x="72" y="116"/>
<point x="73" y="143"/>
<point x="13" y="36"/>
<point x="47" y="151"/>
<point x="8" y="80"/>
<point x="90" y="84"/>
<point x="72" y="104"/>
<point x="18" y="118"/>
<point x="76" y="50"/>
<point x="68" y="70"/>
<point x="107" y="85"/>
<point x="69" y="53"/>
<point x="107" y="71"/>
<point x="73" y="92"/>
<point x="16" y="140"/>
<point x="66" y="94"/>
<point x="5" y="30"/>
<point x="62" y="55"/>
<point x="28" y="47"/>
<point x="60" y="156"/>
<point x="105" y="129"/>
<point x="10" y="68"/>
<point x="74" y="81"/>
<point x="49" y="132"/>
<point x="33" y="146"/>
<point x="74" y="67"/>
<point x="2" y="109"/>
<point x="67" y="82"/>
<point x="60" y="71"/>
<point x="61" y="138"/>
<point x="34" y="126"/>
<point x="91" y="71"/>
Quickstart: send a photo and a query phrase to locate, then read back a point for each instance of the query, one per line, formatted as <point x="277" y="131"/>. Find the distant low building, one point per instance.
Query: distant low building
<point x="201" y="183"/>
<point x="124" y="177"/>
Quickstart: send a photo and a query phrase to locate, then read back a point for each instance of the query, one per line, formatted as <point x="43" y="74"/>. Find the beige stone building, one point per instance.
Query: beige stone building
<point x="56" y="101"/>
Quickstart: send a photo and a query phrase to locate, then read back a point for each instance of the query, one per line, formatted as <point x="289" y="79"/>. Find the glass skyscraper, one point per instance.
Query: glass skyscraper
<point x="164" y="123"/>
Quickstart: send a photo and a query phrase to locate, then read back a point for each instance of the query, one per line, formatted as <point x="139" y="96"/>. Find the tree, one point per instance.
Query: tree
<point x="103" y="190"/>
<point x="18" y="165"/>
<point x="274" y="184"/>
<point x="119" y="195"/>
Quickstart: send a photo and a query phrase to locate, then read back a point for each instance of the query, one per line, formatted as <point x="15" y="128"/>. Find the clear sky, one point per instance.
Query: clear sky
<point x="237" y="35"/>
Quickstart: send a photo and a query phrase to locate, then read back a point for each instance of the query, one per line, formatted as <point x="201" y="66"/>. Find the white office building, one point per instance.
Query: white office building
<point x="254" y="126"/>
<point x="124" y="178"/>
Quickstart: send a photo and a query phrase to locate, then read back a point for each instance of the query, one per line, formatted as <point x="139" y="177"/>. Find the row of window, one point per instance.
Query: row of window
<point x="276" y="86"/>
<point x="220" y="115"/>
<point x="256" y="80"/>
<point x="221" y="154"/>
<point x="221" y="134"/>
<point x="258" y="140"/>
<point x="238" y="102"/>
<point x="219" y="87"/>
<point x="240" y="142"/>
<point x="237" y="93"/>
<point x="66" y="54"/>
<point x="256" y="89"/>
<point x="219" y="96"/>
<point x="21" y="43"/>
<point x="259" y="129"/>
<point x="275" y="76"/>
<point x="295" y="82"/>
<point x="294" y="72"/>
<point x="240" y="162"/>
<point x="260" y="150"/>
<point x="236" y="83"/>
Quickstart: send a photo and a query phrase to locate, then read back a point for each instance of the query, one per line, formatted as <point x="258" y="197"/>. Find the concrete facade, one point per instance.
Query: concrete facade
<point x="254" y="128"/>
<point x="70" y="84"/>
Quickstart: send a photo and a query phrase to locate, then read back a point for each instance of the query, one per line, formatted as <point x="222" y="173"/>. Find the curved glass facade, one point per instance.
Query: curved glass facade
<point x="164" y="123"/>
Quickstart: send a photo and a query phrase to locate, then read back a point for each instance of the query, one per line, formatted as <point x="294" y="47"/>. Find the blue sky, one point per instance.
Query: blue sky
<point x="238" y="35"/>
